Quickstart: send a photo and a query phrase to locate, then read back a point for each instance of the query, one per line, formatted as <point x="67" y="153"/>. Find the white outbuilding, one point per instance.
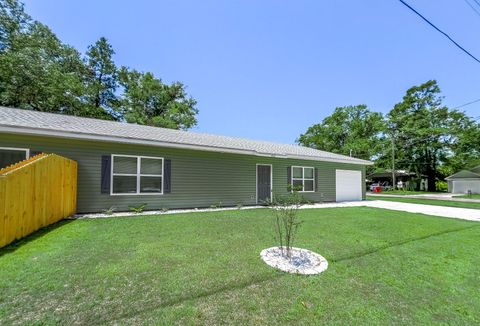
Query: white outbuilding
<point x="465" y="181"/>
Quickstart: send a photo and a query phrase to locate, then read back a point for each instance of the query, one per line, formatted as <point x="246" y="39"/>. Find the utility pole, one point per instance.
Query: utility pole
<point x="394" y="181"/>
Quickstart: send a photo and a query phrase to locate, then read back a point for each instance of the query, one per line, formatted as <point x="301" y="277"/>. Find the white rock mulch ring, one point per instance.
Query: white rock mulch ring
<point x="301" y="261"/>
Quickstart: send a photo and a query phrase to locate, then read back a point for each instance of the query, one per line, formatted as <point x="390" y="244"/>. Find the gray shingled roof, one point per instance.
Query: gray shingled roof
<point x="41" y="123"/>
<point x="464" y="174"/>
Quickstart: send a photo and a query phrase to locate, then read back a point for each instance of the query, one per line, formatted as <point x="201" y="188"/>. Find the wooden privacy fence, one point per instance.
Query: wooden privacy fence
<point x="35" y="193"/>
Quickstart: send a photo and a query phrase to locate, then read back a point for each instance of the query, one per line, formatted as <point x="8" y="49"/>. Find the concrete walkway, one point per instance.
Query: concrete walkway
<point x="443" y="211"/>
<point x="427" y="196"/>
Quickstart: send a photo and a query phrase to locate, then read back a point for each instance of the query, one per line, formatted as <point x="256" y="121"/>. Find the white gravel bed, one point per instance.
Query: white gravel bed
<point x="301" y="261"/>
<point x="193" y="210"/>
<point x="161" y="212"/>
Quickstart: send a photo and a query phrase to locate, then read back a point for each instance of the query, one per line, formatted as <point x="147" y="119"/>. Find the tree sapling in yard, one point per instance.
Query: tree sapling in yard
<point x="285" y="257"/>
<point x="286" y="221"/>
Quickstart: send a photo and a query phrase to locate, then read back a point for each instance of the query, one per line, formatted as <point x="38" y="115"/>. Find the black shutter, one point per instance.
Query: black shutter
<point x="106" y="171"/>
<point x="316" y="185"/>
<point x="167" y="175"/>
<point x="289" y="178"/>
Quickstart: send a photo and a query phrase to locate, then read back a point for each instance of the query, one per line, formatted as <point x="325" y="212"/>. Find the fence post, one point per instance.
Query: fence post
<point x="3" y="197"/>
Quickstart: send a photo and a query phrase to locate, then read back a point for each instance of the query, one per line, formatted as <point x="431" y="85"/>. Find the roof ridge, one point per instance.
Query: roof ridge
<point x="108" y="128"/>
<point x="68" y="116"/>
<point x="155" y="127"/>
<point x="464" y="170"/>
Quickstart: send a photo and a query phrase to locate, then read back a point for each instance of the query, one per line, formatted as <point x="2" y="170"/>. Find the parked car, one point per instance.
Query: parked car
<point x="382" y="186"/>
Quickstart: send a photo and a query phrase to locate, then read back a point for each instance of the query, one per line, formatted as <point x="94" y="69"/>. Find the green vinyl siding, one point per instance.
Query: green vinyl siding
<point x="198" y="179"/>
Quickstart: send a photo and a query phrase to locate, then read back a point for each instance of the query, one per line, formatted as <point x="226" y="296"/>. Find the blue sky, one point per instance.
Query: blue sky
<point x="270" y="69"/>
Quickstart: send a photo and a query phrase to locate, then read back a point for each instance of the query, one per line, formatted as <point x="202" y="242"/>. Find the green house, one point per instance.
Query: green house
<point x="122" y="164"/>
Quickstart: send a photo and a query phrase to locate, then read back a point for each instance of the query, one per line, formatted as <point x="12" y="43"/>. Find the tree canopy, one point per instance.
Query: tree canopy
<point x="148" y="101"/>
<point x="428" y="137"/>
<point x="40" y="72"/>
<point x="350" y="130"/>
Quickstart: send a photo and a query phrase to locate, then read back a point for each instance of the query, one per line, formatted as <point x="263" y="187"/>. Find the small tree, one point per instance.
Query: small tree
<point x="286" y="219"/>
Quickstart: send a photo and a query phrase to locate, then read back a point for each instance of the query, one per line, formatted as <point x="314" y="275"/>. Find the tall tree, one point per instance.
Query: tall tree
<point x="101" y="81"/>
<point x="464" y="145"/>
<point x="349" y="130"/>
<point x="146" y="100"/>
<point x="13" y="21"/>
<point x="428" y="133"/>
<point x="39" y="72"/>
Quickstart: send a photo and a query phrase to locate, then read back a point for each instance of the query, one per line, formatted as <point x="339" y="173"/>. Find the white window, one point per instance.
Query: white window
<point x="11" y="155"/>
<point x="303" y="178"/>
<point x="135" y="175"/>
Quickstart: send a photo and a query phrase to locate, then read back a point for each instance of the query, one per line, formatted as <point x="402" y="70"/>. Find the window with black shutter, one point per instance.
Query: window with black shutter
<point x="136" y="175"/>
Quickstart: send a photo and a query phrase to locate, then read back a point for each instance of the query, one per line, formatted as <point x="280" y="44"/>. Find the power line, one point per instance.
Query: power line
<point x="461" y="106"/>
<point x="473" y="8"/>
<point x="439" y="30"/>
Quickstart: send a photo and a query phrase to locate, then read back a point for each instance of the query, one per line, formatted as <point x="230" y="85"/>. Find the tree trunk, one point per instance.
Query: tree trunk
<point x="431" y="175"/>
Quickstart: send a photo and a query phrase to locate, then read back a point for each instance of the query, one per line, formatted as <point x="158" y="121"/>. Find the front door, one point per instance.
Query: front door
<point x="264" y="183"/>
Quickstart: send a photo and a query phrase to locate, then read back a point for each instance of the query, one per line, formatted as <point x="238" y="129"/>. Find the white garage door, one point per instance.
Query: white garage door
<point x="348" y="185"/>
<point x="463" y="186"/>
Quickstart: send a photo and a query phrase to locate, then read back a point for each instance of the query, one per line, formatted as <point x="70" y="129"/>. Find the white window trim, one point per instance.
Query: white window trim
<point x="26" y="150"/>
<point x="138" y="175"/>
<point x="303" y="177"/>
<point x="256" y="181"/>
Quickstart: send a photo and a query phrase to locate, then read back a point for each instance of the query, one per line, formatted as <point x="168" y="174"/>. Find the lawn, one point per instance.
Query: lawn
<point x="386" y="267"/>
<point x="436" y="202"/>
<point x="472" y="196"/>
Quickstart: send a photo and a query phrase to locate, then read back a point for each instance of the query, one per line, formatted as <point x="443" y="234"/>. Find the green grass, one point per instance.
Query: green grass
<point x="386" y="267"/>
<point x="436" y="202"/>
<point x="472" y="196"/>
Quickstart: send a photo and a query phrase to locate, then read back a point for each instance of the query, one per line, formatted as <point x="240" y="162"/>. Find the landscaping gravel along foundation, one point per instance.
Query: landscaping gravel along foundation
<point x="301" y="261"/>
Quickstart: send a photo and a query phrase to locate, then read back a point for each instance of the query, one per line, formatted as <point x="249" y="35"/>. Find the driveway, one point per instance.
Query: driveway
<point x="439" y="196"/>
<point x="452" y="212"/>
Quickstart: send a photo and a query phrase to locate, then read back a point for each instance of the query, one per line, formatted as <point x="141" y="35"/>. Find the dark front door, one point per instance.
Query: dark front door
<point x="264" y="183"/>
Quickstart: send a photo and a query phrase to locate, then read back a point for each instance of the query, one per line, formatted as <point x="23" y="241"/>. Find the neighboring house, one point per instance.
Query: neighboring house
<point x="464" y="181"/>
<point x="385" y="177"/>
<point x="404" y="179"/>
<point x="122" y="164"/>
